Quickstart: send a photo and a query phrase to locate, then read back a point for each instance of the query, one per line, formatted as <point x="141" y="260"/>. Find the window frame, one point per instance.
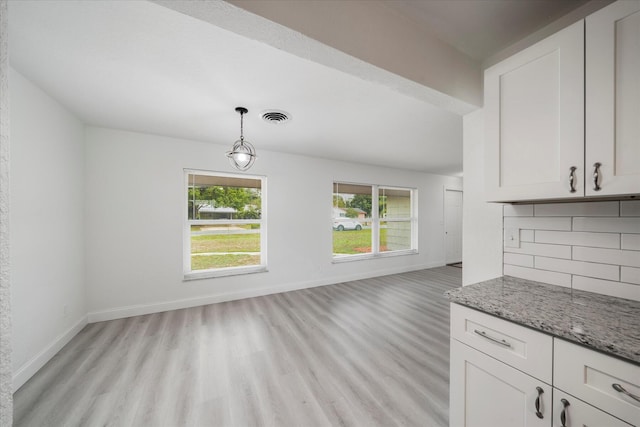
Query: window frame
<point x="189" y="274"/>
<point x="375" y="223"/>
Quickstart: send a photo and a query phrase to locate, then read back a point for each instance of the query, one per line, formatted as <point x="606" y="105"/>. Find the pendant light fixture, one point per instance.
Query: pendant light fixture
<point x="242" y="155"/>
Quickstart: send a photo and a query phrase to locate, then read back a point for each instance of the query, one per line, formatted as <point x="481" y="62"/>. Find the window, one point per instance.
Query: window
<point x="224" y="227"/>
<point x="373" y="220"/>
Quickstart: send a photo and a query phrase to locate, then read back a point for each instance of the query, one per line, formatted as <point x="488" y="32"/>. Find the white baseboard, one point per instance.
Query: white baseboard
<point x="27" y="370"/>
<point x="141" y="309"/>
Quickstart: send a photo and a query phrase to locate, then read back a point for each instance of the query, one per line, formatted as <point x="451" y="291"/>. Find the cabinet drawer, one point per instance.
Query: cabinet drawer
<point x="591" y="376"/>
<point x="523" y="348"/>
<point x="577" y="413"/>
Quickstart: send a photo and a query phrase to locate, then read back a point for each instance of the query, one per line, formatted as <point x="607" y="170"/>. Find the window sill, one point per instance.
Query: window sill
<point x="349" y="258"/>
<point x="224" y="272"/>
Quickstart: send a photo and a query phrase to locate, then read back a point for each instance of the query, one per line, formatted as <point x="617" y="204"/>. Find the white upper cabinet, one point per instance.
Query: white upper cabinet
<point x="535" y="120"/>
<point x="613" y="100"/>
<point x="563" y="116"/>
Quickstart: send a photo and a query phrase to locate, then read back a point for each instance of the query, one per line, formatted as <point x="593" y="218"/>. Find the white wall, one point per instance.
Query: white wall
<point x="134" y="223"/>
<point x="481" y="221"/>
<point x="47" y="245"/>
<point x="6" y="368"/>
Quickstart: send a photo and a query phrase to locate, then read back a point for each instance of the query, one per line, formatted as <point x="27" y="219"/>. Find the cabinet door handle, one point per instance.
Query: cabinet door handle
<point x="490" y="338"/>
<point x="538" y="413"/>
<point x="596" y="177"/>
<point x="563" y="414"/>
<point x="572" y="179"/>
<point x="620" y="389"/>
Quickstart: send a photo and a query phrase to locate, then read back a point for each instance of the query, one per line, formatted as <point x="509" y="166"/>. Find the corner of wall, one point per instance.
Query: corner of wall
<point x="482" y="221"/>
<point x="29" y="369"/>
<point x="49" y="299"/>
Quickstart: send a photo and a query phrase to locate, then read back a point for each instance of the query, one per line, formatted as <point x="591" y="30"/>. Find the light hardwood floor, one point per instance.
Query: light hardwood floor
<point x="370" y="352"/>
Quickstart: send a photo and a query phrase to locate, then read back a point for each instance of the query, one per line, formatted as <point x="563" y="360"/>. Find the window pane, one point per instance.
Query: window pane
<point x="228" y="245"/>
<point x="351" y="219"/>
<point x="395" y="236"/>
<point x="355" y="223"/>
<point x="394" y="203"/>
<point x="219" y="197"/>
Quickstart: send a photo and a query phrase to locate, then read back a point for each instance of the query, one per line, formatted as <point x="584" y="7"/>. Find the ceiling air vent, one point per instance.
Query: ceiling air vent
<point x="275" y="116"/>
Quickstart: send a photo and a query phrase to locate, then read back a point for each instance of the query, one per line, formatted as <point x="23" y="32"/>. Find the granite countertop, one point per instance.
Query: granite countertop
<point x="607" y="324"/>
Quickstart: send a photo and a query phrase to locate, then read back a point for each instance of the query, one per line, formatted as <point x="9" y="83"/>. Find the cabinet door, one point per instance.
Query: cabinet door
<point x="613" y="99"/>
<point x="488" y="393"/>
<point x="571" y="412"/>
<point x="534" y="104"/>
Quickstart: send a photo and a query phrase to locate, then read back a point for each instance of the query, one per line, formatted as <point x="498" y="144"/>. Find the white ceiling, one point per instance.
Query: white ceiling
<point x="139" y="66"/>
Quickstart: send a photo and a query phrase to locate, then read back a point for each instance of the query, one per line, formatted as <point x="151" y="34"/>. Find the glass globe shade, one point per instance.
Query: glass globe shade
<point x="243" y="155"/>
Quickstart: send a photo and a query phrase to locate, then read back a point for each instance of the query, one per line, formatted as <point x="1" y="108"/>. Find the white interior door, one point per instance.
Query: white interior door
<point x="453" y="226"/>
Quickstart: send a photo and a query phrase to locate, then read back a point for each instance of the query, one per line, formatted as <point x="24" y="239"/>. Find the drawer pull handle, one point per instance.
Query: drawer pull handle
<point x="563" y="414"/>
<point x="572" y="179"/>
<point x="538" y="413"/>
<point x="596" y="177"/>
<point x="490" y="338"/>
<point x="617" y="387"/>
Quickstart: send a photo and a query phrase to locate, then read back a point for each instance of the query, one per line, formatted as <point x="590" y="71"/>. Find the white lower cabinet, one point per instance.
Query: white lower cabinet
<point x="571" y="412"/>
<point x="523" y="348"/>
<point x="499" y="377"/>
<point x="488" y="393"/>
<point x="611" y="384"/>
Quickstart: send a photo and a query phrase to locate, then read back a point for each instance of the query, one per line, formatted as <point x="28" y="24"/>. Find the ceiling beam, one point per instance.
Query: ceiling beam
<point x="362" y="38"/>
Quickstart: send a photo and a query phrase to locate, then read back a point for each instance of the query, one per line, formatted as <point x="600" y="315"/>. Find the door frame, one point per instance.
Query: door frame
<point x="444" y="221"/>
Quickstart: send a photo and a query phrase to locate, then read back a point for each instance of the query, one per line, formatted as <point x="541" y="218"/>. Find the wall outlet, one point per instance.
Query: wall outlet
<point x="511" y="237"/>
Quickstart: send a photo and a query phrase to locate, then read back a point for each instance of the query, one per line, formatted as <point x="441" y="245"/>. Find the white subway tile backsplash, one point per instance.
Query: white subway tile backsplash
<point x="598" y="240"/>
<point x="538" y="223"/>
<point x="554" y="251"/>
<point x="578" y="209"/>
<point x="590" y="246"/>
<point x="607" y="256"/>
<point x="551" y="277"/>
<point x="600" y="271"/>
<point x="629" y="241"/>
<point x="613" y="225"/>
<point x="630" y="275"/>
<point x="517" y="210"/>
<point x="518" y="259"/>
<point x="630" y="208"/>
<point x="526" y="235"/>
<point x="607" y="287"/>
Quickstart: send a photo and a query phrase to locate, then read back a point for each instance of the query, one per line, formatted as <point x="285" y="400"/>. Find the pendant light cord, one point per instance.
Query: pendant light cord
<point x="241" y="127"/>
